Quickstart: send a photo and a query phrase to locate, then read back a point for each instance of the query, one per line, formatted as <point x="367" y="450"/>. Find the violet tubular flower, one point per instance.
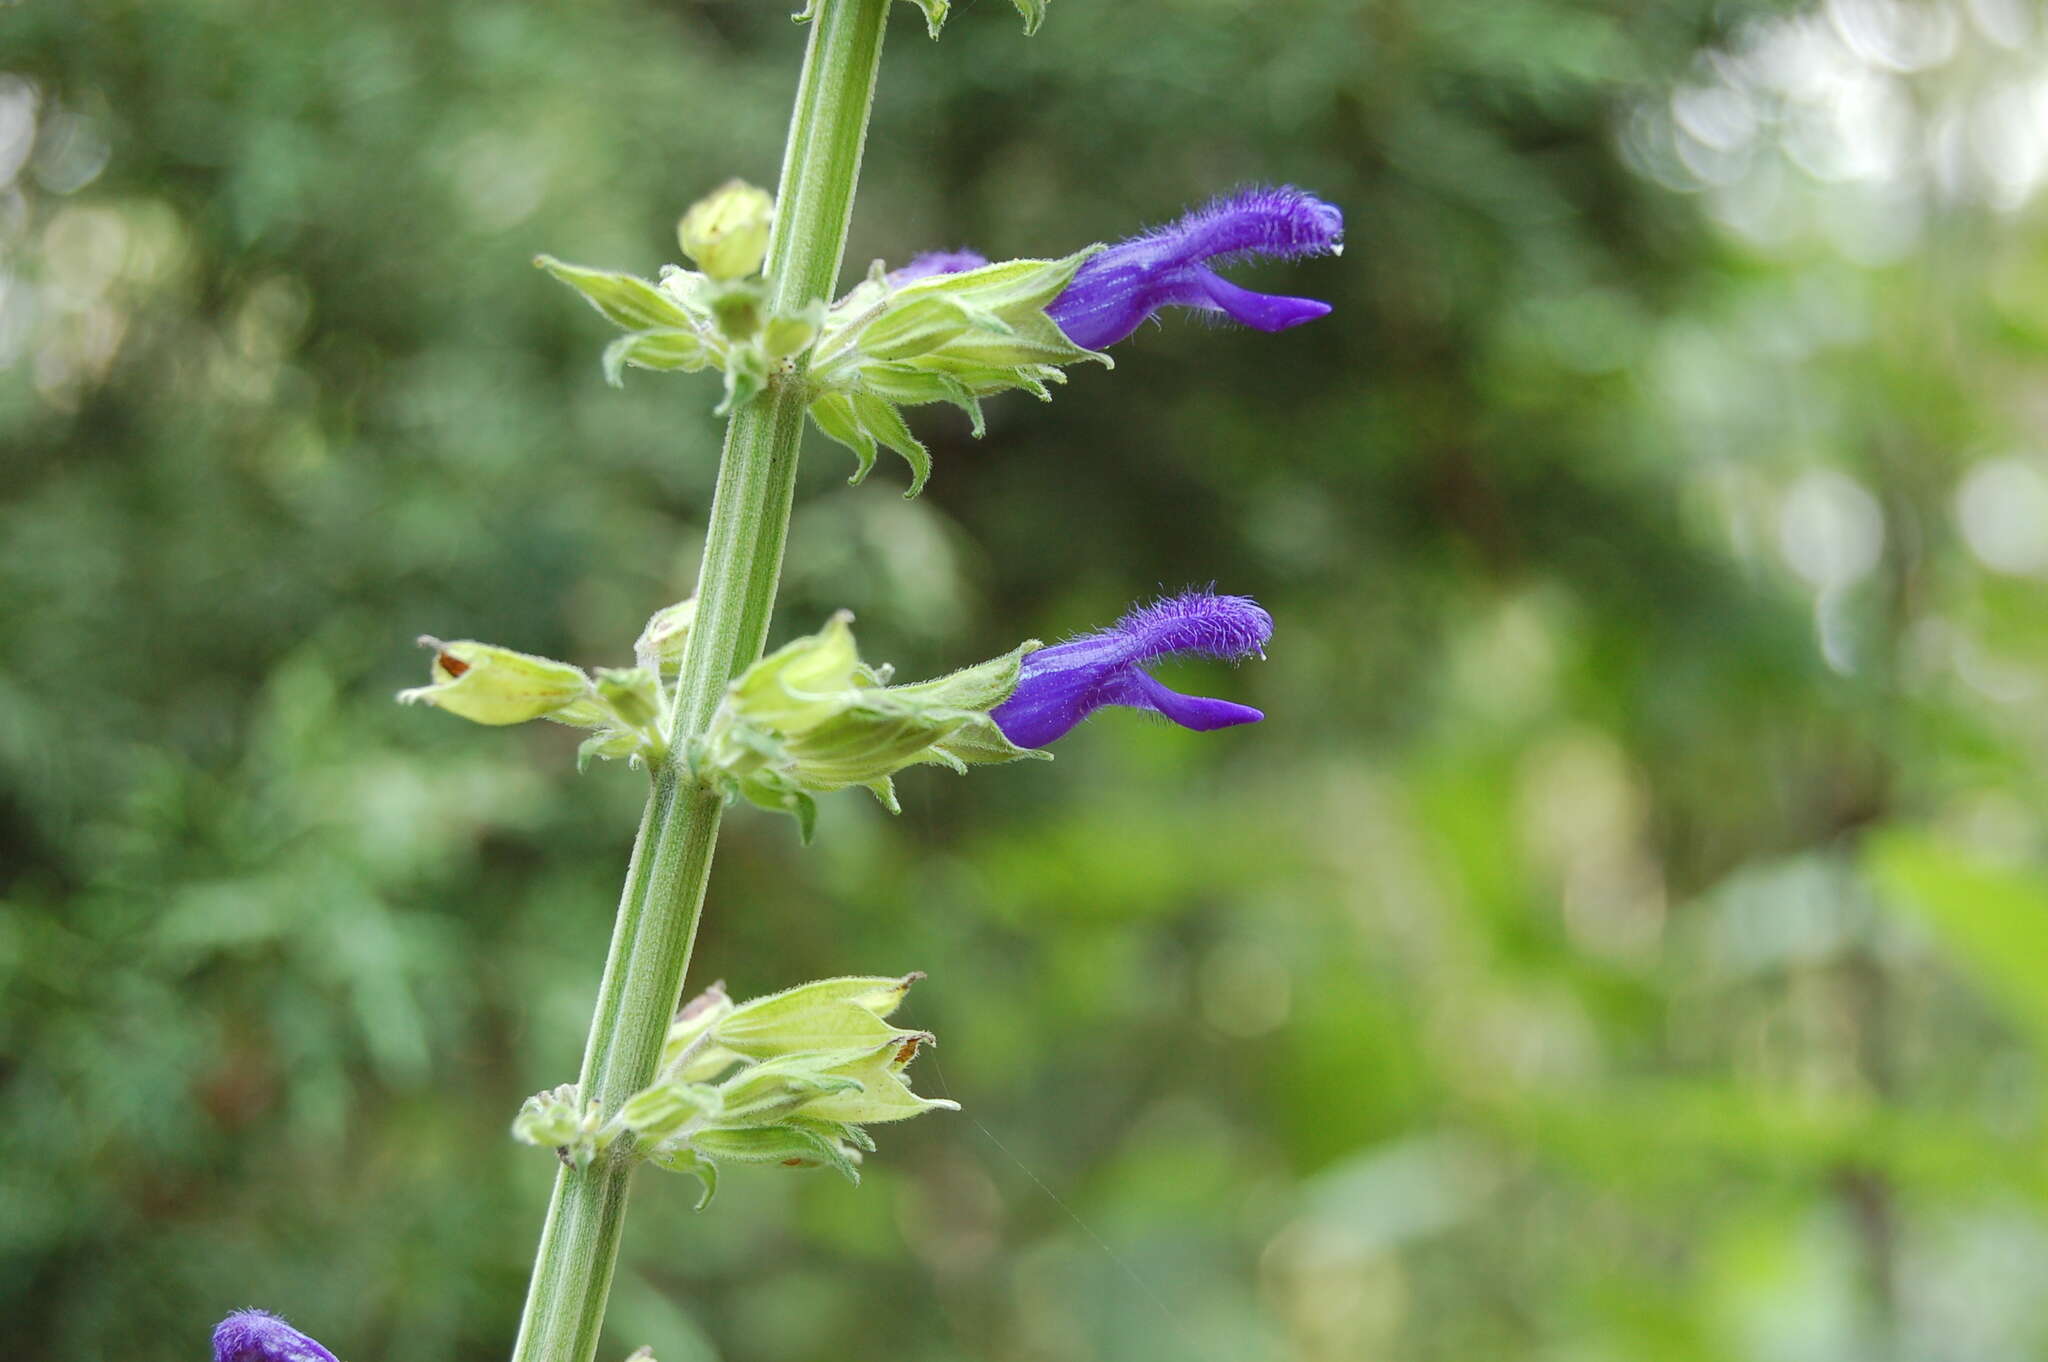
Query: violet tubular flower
<point x="259" y="1336"/>
<point x="1062" y="685"/>
<point x="1115" y="291"/>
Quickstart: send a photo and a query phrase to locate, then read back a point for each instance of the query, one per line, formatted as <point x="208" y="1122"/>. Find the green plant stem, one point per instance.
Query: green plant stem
<point x="664" y="890"/>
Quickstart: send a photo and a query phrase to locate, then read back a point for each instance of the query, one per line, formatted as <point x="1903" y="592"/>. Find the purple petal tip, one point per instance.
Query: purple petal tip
<point x="259" y="1336"/>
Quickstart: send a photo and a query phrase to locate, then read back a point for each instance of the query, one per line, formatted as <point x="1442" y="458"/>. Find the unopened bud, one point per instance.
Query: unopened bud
<point x="726" y="232"/>
<point x="662" y="642"/>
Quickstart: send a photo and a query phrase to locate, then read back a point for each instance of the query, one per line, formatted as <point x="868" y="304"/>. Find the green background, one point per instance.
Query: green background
<point x="1627" y="937"/>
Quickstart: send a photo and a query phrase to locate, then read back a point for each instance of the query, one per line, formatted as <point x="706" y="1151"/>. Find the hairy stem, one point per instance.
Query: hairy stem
<point x="664" y="890"/>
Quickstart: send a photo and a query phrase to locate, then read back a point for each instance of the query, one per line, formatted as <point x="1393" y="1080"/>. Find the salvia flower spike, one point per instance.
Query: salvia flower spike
<point x="258" y="1336"/>
<point x="1062" y="685"/>
<point x="1114" y="292"/>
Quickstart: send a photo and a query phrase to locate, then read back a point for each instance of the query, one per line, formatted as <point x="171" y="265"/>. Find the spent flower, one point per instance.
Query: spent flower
<point x="628" y="710"/>
<point x="1062" y="685"/>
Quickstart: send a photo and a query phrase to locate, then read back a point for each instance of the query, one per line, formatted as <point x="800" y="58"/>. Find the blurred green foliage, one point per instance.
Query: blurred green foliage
<point x="1626" y="938"/>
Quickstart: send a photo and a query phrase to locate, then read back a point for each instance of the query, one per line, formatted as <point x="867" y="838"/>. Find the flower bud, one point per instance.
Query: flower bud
<point x="487" y="684"/>
<point x="690" y="1034"/>
<point x="559" y="1119"/>
<point x="726" y="232"/>
<point x="667" y="633"/>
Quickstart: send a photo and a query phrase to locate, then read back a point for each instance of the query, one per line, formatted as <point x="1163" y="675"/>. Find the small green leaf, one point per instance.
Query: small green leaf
<point x="1033" y="12"/>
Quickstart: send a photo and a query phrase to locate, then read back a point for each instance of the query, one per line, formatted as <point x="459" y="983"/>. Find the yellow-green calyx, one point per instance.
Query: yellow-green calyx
<point x="790" y="1079"/>
<point x="812" y="718"/>
<point x="486" y="684"/>
<point x="955" y="338"/>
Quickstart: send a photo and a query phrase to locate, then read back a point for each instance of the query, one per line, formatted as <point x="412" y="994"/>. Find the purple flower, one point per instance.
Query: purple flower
<point x="258" y="1336"/>
<point x="1119" y="288"/>
<point x="937" y="262"/>
<point x="1064" y="684"/>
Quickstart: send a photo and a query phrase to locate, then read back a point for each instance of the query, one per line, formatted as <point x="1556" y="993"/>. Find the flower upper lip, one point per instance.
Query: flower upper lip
<point x="1116" y="291"/>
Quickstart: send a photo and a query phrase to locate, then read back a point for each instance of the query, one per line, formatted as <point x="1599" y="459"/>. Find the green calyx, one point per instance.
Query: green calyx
<point x="627" y="709"/>
<point x="789" y="1079"/>
<point x="953" y="338"/>
<point x="812" y="718"/>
